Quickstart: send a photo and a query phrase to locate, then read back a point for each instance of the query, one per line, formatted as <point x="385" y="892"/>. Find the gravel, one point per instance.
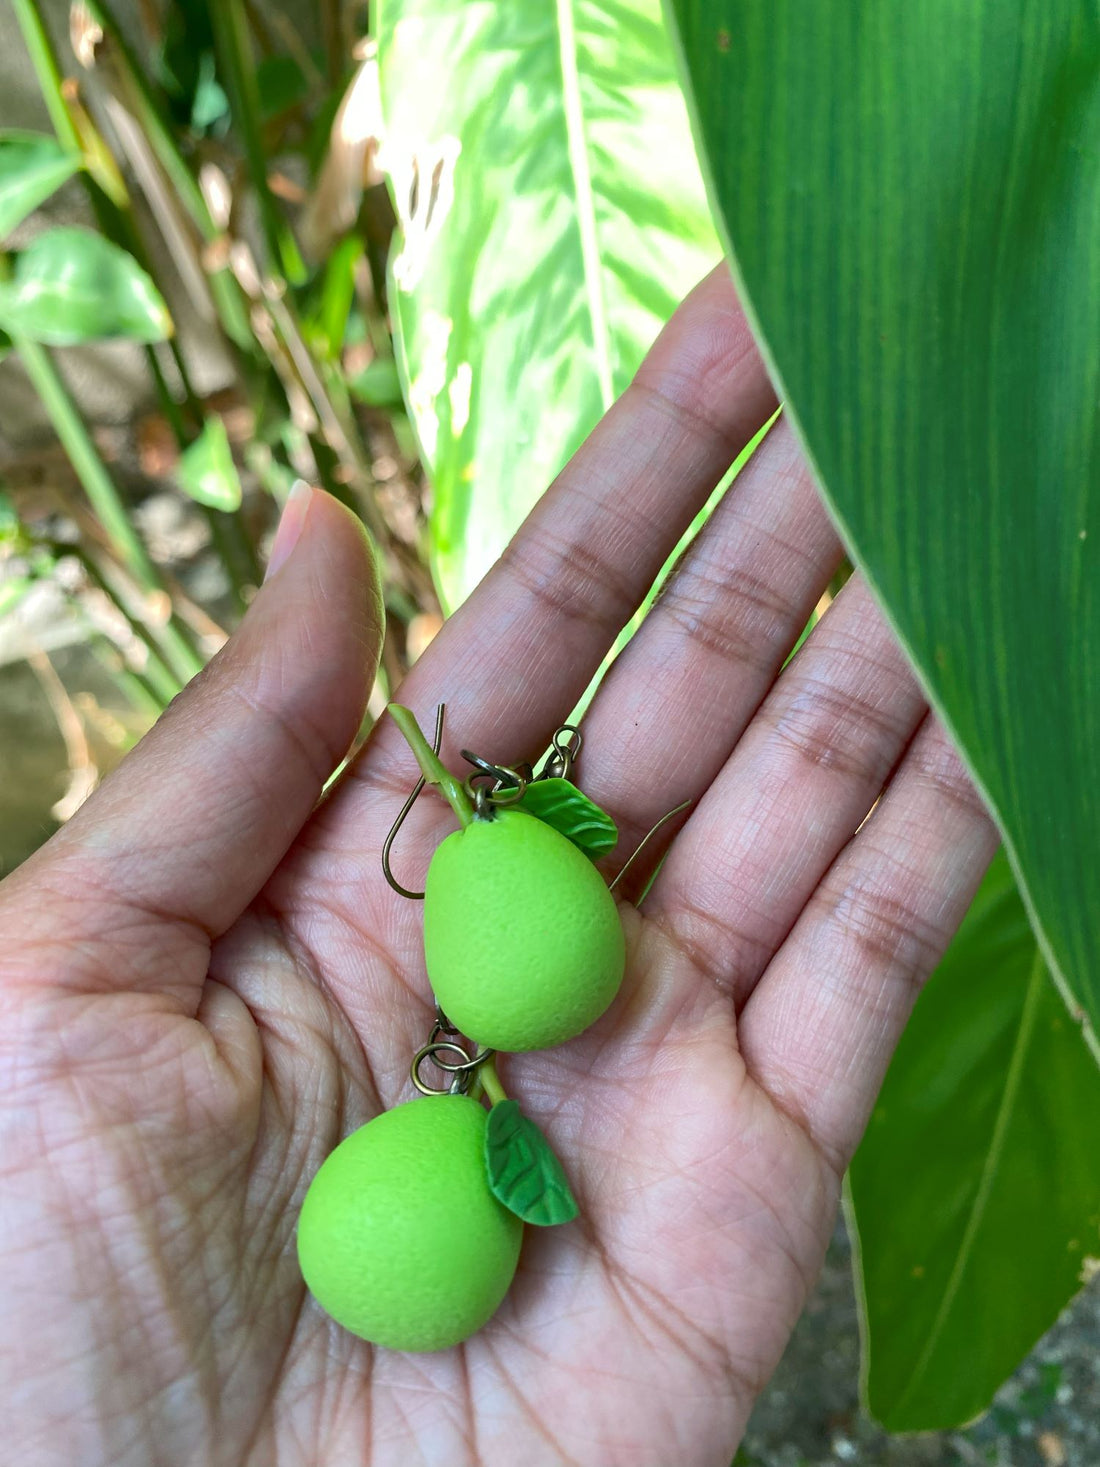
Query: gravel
<point x="1046" y="1415"/>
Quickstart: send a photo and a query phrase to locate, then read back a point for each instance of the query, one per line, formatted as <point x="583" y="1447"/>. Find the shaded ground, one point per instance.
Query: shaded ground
<point x="1047" y="1415"/>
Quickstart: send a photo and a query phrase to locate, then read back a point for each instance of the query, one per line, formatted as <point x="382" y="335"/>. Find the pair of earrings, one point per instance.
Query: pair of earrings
<point x="410" y="1232"/>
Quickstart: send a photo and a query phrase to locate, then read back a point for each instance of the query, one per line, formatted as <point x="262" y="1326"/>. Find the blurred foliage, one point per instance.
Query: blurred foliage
<point x="218" y="181"/>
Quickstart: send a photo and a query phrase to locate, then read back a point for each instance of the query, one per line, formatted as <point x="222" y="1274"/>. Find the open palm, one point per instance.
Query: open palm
<point x="204" y="986"/>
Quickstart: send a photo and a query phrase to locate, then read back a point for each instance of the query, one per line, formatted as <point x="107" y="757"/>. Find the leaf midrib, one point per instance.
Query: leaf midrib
<point x="586" y="207"/>
<point x="990" y="1168"/>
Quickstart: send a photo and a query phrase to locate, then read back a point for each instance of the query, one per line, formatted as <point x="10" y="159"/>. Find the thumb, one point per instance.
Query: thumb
<point x="193" y="822"/>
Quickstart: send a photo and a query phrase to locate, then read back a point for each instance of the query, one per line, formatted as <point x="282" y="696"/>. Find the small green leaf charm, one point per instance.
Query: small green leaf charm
<point x="524" y="1173"/>
<point x="561" y="804"/>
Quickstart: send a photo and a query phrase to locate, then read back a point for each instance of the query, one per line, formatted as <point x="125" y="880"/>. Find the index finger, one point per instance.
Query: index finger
<point x="514" y="660"/>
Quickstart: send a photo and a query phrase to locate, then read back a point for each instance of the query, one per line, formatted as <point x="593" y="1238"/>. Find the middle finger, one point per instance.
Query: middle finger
<point x="679" y="697"/>
<point x="794" y="791"/>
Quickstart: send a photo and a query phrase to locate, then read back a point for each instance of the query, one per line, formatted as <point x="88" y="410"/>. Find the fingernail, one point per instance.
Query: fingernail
<point x="290" y="525"/>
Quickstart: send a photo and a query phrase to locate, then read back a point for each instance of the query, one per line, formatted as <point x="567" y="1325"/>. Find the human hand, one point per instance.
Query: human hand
<point x="204" y="986"/>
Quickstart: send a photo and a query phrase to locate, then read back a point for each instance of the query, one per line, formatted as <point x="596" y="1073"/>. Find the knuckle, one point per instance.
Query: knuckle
<point x="569" y="578"/>
<point x="733" y="614"/>
<point x="830" y="728"/>
<point x="939" y="770"/>
<point x="886" y="932"/>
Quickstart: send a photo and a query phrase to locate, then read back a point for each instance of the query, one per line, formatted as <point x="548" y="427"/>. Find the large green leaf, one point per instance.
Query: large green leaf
<point x="553" y="215"/>
<point x="32" y="167"/>
<point x="912" y="195"/>
<point x="976" y="1191"/>
<point x="71" y="286"/>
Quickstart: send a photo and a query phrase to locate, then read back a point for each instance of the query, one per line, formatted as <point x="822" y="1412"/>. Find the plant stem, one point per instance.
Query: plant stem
<point x="490" y="1081"/>
<point x="77" y="442"/>
<point x="239" y="76"/>
<point x="140" y="102"/>
<point x="163" y="682"/>
<point x="135" y="686"/>
<point x="101" y="492"/>
<point x="46" y="70"/>
<point x="431" y="766"/>
<point x="116" y="219"/>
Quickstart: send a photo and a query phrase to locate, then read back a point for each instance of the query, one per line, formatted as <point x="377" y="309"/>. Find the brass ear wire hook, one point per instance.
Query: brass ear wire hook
<point x="387" y="846"/>
<point x="640" y="847"/>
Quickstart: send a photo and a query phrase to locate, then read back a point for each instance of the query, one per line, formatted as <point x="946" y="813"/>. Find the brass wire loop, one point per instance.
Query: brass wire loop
<point x="443" y="1040"/>
<point x="489" y="786"/>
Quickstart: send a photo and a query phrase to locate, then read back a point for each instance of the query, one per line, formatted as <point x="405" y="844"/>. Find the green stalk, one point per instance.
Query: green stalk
<point x="37" y="41"/>
<point x="102" y="494"/>
<point x="228" y="300"/>
<point x="138" y="688"/>
<point x="226" y="534"/>
<point x="152" y="121"/>
<point x="114" y="217"/>
<point x="85" y="459"/>
<point x="432" y="767"/>
<point x="490" y="1081"/>
<point x="239" y="75"/>
<point x="163" y="683"/>
<point x="225" y="531"/>
<point x="118" y="224"/>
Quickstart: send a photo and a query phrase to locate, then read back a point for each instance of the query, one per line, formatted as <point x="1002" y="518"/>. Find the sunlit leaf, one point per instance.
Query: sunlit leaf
<point x="552" y="216"/>
<point x="523" y="1171"/>
<point x="70" y="286"/>
<point x="206" y="470"/>
<point x="32" y="167"/>
<point x="912" y="195"/>
<point x="209" y="105"/>
<point x="976" y="1191"/>
<point x="560" y="803"/>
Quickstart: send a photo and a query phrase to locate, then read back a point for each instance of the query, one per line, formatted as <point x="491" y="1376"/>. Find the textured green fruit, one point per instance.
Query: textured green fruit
<point x="399" y="1238"/>
<point x="522" y="940"/>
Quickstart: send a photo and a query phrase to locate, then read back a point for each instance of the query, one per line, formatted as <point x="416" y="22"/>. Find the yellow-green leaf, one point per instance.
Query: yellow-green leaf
<point x="552" y="216"/>
<point x="71" y="286"/>
<point x="206" y="470"/>
<point x="32" y="167"/>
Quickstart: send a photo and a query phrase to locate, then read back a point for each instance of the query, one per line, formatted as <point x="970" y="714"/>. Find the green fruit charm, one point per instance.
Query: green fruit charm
<point x="522" y="939"/>
<point x="400" y="1239"/>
